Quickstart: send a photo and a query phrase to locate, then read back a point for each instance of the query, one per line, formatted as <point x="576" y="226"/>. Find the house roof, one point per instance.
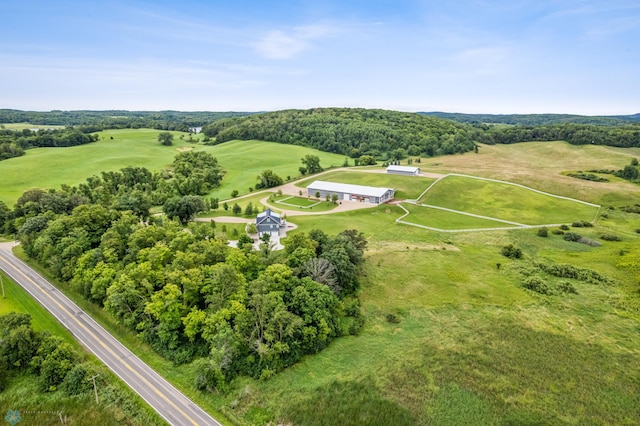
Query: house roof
<point x="409" y="169"/>
<point x="268" y="213"/>
<point x="369" y="191"/>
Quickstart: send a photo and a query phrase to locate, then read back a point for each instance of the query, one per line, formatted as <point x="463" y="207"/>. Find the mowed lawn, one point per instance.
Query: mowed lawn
<point x="303" y="204"/>
<point x="442" y="219"/>
<point x="406" y="186"/>
<point x="504" y="201"/>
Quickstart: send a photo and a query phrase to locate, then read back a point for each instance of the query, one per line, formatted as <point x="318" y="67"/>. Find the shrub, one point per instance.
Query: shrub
<point x="588" y="176"/>
<point x="581" y="224"/>
<point x="609" y="237"/>
<point x="393" y="318"/>
<point x="557" y="232"/>
<point x="543" y="232"/>
<point x="511" y="252"/>
<point x="537" y="284"/>
<point x="564" y="227"/>
<point x="567" y="287"/>
<point x="572" y="236"/>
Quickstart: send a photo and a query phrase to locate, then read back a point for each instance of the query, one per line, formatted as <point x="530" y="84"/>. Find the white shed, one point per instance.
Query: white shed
<point x="403" y="170"/>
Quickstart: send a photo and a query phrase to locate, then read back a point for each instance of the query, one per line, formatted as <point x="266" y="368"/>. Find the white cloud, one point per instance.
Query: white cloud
<point x="278" y="44"/>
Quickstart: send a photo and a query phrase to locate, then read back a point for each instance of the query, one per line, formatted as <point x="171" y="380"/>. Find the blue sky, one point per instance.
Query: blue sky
<point x="475" y="56"/>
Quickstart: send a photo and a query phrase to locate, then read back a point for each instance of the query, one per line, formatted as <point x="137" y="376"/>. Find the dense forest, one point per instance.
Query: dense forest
<point x="536" y="119"/>
<point x="14" y="142"/>
<point x="624" y="136"/>
<point x="117" y="119"/>
<point x="353" y="132"/>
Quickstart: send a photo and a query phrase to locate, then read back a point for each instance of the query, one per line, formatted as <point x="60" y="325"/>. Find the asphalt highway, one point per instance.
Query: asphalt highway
<point x="169" y="402"/>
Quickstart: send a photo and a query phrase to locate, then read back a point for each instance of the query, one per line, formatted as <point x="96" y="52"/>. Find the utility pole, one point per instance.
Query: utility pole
<point x="2" y="285"/>
<point x="95" y="389"/>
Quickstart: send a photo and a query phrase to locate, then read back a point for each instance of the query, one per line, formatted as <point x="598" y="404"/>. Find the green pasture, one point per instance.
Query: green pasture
<point x="22" y="126"/>
<point x="406" y="186"/>
<point x="441" y="219"/>
<point x="52" y="167"/>
<point x="505" y="201"/>
<point x="245" y="160"/>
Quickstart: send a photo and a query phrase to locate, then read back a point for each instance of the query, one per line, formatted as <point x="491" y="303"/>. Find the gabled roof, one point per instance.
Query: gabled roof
<point x="267" y="215"/>
<point x="409" y="169"/>
<point x="369" y="191"/>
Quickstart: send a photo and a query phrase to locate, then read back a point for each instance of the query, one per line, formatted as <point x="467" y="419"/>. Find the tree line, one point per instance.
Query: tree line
<point x="117" y="119"/>
<point x="13" y="143"/>
<point x="625" y="136"/>
<point x="536" y="119"/>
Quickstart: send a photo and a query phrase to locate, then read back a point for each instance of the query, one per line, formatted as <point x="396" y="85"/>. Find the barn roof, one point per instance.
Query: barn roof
<point x="369" y="191"/>
<point x="405" y="169"/>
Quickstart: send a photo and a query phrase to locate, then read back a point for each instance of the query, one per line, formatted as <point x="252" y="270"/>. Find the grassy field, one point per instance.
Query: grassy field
<point x="505" y="201"/>
<point x="441" y="219"/>
<point x="406" y="186"/>
<point x="540" y="165"/>
<point x="243" y="160"/>
<point x="21" y="126"/>
<point x="118" y="404"/>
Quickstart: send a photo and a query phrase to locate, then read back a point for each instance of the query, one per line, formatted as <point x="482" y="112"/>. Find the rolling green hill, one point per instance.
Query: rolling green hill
<point x="353" y="132"/>
<point x="243" y="160"/>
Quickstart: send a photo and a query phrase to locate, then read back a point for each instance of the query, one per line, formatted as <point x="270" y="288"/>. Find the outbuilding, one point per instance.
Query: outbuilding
<point x="348" y="192"/>
<point x="403" y="170"/>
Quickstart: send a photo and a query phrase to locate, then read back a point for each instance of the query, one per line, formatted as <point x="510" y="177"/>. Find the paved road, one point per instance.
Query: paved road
<point x="170" y="403"/>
